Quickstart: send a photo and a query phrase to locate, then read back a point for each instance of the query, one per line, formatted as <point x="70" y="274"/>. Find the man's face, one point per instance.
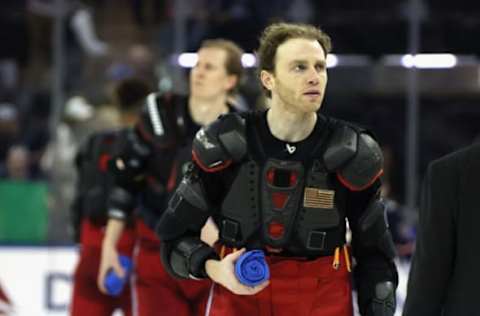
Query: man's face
<point x="209" y="78"/>
<point x="300" y="75"/>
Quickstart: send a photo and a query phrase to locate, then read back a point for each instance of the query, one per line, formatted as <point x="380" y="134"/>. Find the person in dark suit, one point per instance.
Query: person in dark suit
<point x="445" y="272"/>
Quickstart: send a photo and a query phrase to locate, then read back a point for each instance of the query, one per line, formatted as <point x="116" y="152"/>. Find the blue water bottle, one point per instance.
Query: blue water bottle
<point x="113" y="283"/>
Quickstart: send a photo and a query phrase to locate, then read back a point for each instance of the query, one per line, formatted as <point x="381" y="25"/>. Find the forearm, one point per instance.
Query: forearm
<point x="113" y="232"/>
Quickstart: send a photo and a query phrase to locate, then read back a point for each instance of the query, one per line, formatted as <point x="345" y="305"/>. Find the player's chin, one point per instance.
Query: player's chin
<point x="309" y="107"/>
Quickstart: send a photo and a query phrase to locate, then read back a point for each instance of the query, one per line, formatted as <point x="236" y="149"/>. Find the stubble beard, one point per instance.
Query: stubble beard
<point x="293" y="103"/>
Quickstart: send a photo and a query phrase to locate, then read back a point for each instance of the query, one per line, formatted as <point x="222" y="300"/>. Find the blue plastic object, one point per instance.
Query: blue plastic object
<point x="113" y="283"/>
<point x="251" y="268"/>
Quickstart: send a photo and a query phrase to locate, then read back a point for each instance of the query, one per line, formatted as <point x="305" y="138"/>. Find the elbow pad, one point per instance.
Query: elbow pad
<point x="120" y="204"/>
<point x="187" y="258"/>
<point x="384" y="303"/>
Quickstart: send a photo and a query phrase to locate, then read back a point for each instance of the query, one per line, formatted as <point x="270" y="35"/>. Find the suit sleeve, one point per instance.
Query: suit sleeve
<point x="433" y="260"/>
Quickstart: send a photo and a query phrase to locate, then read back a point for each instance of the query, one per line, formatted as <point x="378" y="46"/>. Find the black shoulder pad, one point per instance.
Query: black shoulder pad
<point x="342" y="147"/>
<point x="365" y="167"/>
<point x="159" y="124"/>
<point x="219" y="144"/>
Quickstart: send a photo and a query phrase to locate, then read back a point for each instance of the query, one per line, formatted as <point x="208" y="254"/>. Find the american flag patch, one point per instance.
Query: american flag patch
<point x="317" y="198"/>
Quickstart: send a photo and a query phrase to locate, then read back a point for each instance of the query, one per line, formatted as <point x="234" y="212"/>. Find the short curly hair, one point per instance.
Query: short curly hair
<point x="278" y="33"/>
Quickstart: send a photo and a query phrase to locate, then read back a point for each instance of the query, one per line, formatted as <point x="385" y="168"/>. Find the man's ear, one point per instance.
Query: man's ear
<point x="231" y="82"/>
<point x="267" y="79"/>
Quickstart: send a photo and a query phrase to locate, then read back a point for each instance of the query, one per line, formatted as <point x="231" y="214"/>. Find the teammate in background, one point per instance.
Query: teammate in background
<point x="90" y="206"/>
<point x="151" y="165"/>
<point x="285" y="181"/>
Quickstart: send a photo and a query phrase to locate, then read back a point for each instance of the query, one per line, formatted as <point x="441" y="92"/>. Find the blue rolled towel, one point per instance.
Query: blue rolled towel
<point x="113" y="283"/>
<point x="251" y="268"/>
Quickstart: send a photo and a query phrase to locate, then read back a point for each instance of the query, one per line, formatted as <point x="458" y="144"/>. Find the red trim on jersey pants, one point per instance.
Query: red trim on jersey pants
<point x="300" y="288"/>
<point x="158" y="293"/>
<point x="87" y="298"/>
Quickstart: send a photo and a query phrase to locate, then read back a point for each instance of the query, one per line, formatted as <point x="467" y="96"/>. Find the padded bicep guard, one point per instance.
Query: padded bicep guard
<point x="355" y="156"/>
<point x="216" y="146"/>
<point x="188" y="209"/>
<point x="184" y="256"/>
<point x="372" y="230"/>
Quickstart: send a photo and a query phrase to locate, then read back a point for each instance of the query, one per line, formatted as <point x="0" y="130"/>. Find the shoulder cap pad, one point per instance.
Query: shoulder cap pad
<point x="219" y="144"/>
<point x="158" y="123"/>
<point x="342" y="147"/>
<point x="365" y="167"/>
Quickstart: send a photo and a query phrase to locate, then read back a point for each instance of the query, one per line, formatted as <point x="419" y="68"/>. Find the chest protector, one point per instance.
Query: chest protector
<point x="297" y="208"/>
<point x="283" y="206"/>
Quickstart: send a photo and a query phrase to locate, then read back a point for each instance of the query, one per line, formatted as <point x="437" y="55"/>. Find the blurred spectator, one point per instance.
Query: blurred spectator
<point x="80" y="37"/>
<point x="9" y="128"/>
<point x="58" y="159"/>
<point x="137" y="62"/>
<point x="237" y="20"/>
<point x="17" y="164"/>
<point x="300" y="11"/>
<point x="147" y="12"/>
<point x="35" y="132"/>
<point x="14" y="50"/>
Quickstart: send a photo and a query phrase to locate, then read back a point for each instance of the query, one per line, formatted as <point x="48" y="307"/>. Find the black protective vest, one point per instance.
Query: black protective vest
<point x="284" y="206"/>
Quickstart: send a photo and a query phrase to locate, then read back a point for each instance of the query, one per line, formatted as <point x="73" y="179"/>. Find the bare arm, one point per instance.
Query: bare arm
<point x="109" y="259"/>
